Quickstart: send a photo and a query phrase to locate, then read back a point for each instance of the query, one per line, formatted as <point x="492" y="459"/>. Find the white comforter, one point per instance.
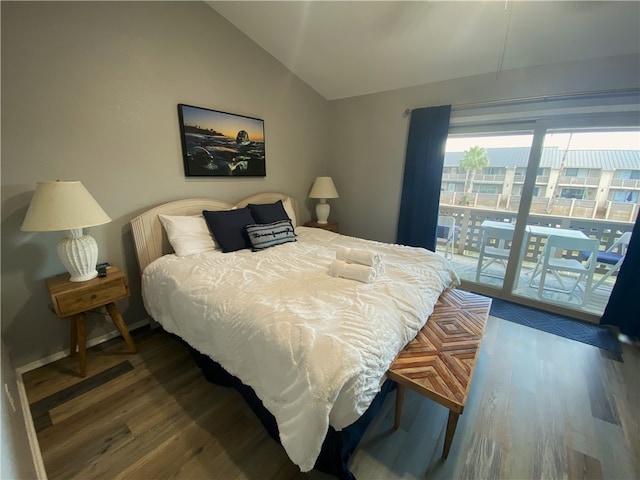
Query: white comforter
<point x="314" y="348"/>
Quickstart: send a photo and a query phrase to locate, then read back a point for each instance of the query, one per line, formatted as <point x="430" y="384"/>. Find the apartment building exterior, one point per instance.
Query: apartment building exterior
<point x="586" y="183"/>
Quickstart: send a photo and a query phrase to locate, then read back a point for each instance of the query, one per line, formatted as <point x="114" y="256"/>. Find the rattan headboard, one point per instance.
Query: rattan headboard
<point x="149" y="237"/>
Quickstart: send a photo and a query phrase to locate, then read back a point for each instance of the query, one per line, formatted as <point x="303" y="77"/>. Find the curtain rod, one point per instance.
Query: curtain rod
<point x="538" y="97"/>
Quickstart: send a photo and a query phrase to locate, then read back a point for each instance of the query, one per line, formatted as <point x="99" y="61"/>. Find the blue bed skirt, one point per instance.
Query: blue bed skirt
<point x="337" y="447"/>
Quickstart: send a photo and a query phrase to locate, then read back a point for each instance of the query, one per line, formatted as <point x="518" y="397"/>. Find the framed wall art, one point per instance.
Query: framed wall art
<point x="220" y="144"/>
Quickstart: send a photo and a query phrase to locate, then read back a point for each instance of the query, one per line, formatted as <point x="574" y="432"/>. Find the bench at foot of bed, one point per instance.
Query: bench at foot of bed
<point x="440" y="361"/>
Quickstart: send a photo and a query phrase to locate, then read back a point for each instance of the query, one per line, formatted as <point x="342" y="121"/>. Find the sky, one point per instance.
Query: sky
<point x="226" y="123"/>
<point x="579" y="141"/>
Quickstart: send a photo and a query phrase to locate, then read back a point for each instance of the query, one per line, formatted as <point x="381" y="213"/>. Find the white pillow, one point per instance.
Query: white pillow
<point x="188" y="234"/>
<point x="291" y="213"/>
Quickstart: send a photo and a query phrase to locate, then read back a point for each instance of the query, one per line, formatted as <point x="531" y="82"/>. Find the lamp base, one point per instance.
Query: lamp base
<point x="79" y="254"/>
<point x="322" y="212"/>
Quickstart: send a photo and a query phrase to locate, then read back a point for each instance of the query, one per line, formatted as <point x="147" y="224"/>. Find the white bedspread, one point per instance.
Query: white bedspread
<point x="314" y="348"/>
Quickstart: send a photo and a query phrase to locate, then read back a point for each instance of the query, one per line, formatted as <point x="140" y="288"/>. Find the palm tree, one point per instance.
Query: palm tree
<point x="473" y="159"/>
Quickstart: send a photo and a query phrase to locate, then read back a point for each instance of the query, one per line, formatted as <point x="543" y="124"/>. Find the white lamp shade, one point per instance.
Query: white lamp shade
<point x="62" y="205"/>
<point x="323" y="187"/>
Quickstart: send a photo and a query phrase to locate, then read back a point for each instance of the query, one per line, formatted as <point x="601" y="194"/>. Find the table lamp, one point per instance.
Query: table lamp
<point x="322" y="189"/>
<point x="62" y="205"/>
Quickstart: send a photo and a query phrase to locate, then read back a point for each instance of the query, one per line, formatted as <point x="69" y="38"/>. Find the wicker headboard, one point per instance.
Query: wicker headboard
<point x="150" y="238"/>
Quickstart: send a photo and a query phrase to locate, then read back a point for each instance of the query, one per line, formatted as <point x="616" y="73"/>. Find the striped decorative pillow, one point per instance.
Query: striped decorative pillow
<point x="270" y="234"/>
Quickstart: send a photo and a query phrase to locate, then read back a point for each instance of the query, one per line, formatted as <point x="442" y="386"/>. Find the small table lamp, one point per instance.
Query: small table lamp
<point x="59" y="205"/>
<point x="322" y="189"/>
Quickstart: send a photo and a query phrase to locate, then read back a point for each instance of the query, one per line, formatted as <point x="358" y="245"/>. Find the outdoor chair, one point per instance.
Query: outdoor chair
<point x="612" y="258"/>
<point x="446" y="234"/>
<point x="494" y="249"/>
<point x="562" y="258"/>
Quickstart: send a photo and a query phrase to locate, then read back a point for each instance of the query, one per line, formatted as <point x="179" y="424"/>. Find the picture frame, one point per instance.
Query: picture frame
<point x="221" y="144"/>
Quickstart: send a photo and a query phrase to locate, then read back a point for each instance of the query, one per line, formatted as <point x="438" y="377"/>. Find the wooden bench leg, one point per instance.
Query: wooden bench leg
<point x="452" y="422"/>
<point x="122" y="328"/>
<point x="399" y="402"/>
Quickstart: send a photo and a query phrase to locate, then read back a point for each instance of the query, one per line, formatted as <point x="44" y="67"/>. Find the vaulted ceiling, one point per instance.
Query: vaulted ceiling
<point x="348" y="48"/>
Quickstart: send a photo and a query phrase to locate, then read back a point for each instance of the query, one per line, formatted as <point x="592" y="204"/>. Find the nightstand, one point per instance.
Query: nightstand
<point x="75" y="299"/>
<point x="331" y="226"/>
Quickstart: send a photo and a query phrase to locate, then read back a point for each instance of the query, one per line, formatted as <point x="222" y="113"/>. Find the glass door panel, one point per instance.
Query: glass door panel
<point x="585" y="202"/>
<point x="480" y="195"/>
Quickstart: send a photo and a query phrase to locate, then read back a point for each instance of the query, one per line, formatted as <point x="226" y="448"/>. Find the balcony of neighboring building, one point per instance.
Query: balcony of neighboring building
<point x="561" y="207"/>
<point x="565" y="180"/>
<point x="626" y="183"/>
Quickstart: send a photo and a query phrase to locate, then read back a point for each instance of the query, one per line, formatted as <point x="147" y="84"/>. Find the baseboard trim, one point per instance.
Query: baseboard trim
<point x="31" y="429"/>
<point x="90" y="343"/>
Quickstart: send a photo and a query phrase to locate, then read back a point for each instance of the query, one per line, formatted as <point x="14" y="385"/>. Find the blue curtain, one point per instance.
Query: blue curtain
<point x="623" y="309"/>
<point x="423" y="165"/>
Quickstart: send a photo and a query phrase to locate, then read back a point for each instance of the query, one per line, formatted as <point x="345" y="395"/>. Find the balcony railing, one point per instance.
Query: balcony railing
<point x="489" y="178"/>
<point x="563" y="207"/>
<point x="625" y="183"/>
<point x="469" y="220"/>
<point x="491" y="200"/>
<point x="579" y="181"/>
<point x="460" y="177"/>
<point x="622" y="211"/>
<point x="540" y="179"/>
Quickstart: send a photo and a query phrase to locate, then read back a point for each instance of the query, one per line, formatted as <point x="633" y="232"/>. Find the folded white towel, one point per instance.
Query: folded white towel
<point x="352" y="271"/>
<point x="363" y="257"/>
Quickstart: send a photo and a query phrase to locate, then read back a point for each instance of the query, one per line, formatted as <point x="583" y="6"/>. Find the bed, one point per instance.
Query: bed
<point x="307" y="350"/>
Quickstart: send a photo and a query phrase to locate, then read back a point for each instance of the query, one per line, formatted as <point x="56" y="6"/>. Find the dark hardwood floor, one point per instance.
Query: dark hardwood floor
<point x="540" y="406"/>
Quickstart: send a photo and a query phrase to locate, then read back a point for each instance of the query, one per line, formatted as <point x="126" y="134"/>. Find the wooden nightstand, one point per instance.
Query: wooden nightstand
<point x="75" y="299"/>
<point x="331" y="226"/>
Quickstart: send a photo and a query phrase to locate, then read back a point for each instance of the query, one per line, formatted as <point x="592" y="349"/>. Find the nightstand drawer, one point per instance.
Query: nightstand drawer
<point x="91" y="297"/>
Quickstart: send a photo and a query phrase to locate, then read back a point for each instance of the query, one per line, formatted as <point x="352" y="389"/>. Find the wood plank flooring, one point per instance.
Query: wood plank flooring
<point x="540" y="406"/>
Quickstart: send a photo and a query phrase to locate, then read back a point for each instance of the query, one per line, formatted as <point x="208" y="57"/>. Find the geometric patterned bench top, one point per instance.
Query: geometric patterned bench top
<point x="439" y="362"/>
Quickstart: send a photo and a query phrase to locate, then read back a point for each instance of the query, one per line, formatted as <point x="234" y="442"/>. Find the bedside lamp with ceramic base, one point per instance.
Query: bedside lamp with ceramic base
<point x="62" y="205"/>
<point x="323" y="188"/>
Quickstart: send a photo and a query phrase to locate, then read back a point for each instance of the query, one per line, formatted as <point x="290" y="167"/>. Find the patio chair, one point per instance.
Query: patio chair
<point x="446" y="234"/>
<point x="494" y="249"/>
<point x="612" y="258"/>
<point x="557" y="258"/>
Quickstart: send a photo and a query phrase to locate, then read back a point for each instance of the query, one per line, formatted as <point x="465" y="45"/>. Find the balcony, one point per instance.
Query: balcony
<point x="579" y="181"/>
<point x="540" y="179"/>
<point x="569" y="207"/>
<point x="491" y="200"/>
<point x="488" y="178"/>
<point x="454" y="177"/>
<point x="469" y="235"/>
<point x="625" y="183"/>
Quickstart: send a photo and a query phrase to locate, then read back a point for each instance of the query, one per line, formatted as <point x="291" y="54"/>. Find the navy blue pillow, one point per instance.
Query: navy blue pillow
<point x="268" y="212"/>
<point x="228" y="228"/>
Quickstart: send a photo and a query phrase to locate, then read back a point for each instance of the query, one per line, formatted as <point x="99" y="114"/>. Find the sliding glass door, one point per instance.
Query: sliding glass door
<point x="511" y="193"/>
<point x="586" y="203"/>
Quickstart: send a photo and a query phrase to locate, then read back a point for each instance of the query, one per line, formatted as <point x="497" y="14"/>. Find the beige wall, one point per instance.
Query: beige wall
<point x="369" y="133"/>
<point x="90" y="92"/>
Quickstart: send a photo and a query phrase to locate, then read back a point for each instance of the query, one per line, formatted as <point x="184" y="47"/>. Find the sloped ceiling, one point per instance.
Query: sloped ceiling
<point x="349" y="48"/>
